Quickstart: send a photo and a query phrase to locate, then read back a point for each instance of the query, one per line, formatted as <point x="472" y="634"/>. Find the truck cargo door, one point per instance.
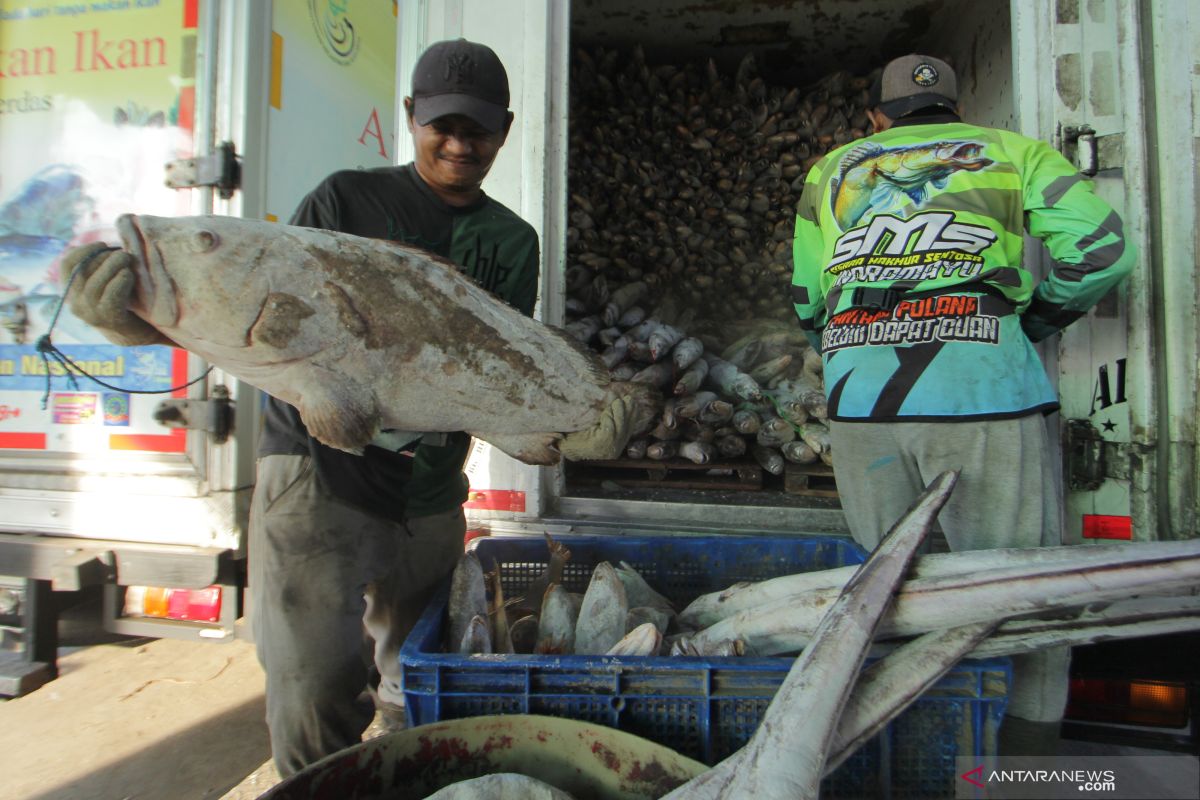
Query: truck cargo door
<point x="529" y="176"/>
<point x="1081" y="63"/>
<point x="98" y="97"/>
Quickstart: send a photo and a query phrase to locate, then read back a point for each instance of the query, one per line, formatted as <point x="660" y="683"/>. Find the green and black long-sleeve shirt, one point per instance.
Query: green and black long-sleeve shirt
<point x="908" y="270"/>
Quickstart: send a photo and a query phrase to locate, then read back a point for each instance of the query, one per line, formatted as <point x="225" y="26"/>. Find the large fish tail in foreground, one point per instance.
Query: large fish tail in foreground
<point x="785" y="759"/>
<point x="362" y="335"/>
<point x="892" y="684"/>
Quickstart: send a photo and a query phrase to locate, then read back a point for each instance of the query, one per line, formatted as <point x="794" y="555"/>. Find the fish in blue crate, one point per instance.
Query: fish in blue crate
<point x="619" y="614"/>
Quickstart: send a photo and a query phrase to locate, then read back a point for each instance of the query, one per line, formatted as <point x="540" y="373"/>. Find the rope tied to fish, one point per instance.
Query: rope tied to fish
<point x="48" y="350"/>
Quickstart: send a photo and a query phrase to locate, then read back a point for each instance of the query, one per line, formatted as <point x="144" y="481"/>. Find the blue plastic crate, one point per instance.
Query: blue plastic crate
<point x="705" y="708"/>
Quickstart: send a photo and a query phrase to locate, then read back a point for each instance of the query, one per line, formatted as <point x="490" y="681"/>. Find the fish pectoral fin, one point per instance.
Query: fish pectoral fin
<point x="530" y="448"/>
<point x="340" y="413"/>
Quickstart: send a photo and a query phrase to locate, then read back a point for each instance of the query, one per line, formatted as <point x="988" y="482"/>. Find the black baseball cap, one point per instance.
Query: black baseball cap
<point x="460" y="77"/>
<point x="913" y="82"/>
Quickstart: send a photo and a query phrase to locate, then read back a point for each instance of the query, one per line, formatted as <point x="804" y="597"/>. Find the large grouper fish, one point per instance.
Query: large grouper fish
<point x="363" y="335"/>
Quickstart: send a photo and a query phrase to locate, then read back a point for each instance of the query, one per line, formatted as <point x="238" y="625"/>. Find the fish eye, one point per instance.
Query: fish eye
<point x="203" y="241"/>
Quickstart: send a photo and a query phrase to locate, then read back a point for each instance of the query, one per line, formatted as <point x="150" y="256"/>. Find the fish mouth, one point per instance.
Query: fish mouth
<point x="968" y="155"/>
<point x="154" y="298"/>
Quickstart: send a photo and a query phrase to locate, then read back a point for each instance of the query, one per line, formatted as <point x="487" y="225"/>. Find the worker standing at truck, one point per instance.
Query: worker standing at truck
<point x="909" y="280"/>
<point x="344" y="544"/>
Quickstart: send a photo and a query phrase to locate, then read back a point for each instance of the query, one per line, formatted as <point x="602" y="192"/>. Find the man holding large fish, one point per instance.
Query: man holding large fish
<point x="908" y="278"/>
<point x="376" y="356"/>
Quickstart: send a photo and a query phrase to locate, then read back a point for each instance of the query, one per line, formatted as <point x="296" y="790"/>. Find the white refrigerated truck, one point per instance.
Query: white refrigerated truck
<point x="241" y="108"/>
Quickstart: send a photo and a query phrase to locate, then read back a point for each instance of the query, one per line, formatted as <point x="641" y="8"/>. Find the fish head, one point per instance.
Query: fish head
<point x="962" y="155"/>
<point x="206" y="282"/>
<point x="936" y="161"/>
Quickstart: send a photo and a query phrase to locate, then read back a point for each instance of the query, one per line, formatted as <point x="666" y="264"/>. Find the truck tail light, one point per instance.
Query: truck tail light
<point x="1107" y="526"/>
<point x="1160" y="704"/>
<point x="197" y="605"/>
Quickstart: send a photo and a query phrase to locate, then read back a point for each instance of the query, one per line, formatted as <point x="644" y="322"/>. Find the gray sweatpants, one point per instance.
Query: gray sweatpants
<point x="328" y="582"/>
<point x="1007" y="496"/>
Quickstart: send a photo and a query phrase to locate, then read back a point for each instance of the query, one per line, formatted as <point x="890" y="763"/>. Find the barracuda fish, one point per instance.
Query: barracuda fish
<point x="786" y="756"/>
<point x="362" y="335"/>
<point x="878" y="179"/>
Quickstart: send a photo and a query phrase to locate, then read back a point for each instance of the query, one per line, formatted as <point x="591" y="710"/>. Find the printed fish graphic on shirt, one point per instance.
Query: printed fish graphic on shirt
<point x="879" y="179"/>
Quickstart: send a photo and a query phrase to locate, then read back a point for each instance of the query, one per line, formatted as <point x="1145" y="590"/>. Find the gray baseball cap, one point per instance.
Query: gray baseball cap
<point x="460" y="77"/>
<point x="912" y="82"/>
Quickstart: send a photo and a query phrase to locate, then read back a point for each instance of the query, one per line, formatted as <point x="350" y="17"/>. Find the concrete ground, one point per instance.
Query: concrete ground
<point x="139" y="719"/>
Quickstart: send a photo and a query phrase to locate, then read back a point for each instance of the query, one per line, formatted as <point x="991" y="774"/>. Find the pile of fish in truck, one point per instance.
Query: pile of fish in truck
<point x="683" y="185"/>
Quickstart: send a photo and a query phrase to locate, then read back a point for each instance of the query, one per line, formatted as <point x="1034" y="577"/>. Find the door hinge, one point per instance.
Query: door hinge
<point x="214" y="415"/>
<point x="222" y="169"/>
<point x="1089" y="152"/>
<point x="1091" y="459"/>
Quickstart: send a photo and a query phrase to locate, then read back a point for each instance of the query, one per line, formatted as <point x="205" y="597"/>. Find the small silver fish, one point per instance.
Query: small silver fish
<point x="663" y="340"/>
<point x="615" y="353"/>
<point x="584" y="329"/>
<point x="468" y="596"/>
<point x="638" y="592"/>
<point x="689" y="382"/>
<point x="624" y="371"/>
<point x="524" y="633"/>
<point x="601" y="622"/>
<point x="644" y="640"/>
<point x="658" y="617"/>
<point x="769" y="459"/>
<point x="698" y="452"/>
<point x="686" y="352"/>
<point x="746" y="421"/>
<point x="798" y="452"/>
<point x="639" y="351"/>
<point x="731" y="445"/>
<point x="661" y="451"/>
<point x="556" y="622"/>
<point x="769" y="370"/>
<point x="658" y="375"/>
<point x="816" y="436"/>
<point x="775" y="431"/>
<point x="631" y="317"/>
<point x="636" y="449"/>
<point x="690" y="406"/>
<point x="731" y="380"/>
<point x="477" y="638"/>
<point x="715" y="412"/>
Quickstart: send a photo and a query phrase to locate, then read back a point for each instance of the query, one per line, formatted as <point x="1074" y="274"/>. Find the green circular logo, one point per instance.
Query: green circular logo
<point x="335" y="31"/>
